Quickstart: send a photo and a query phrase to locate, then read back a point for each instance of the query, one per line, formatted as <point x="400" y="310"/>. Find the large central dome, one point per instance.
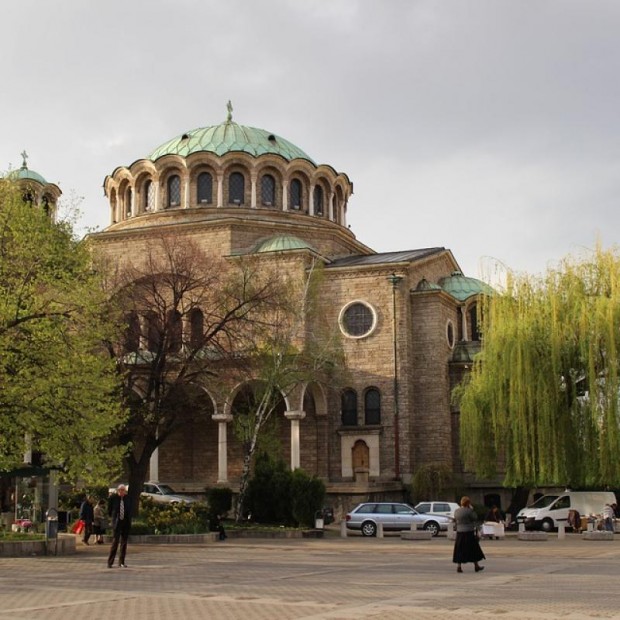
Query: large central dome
<point x="229" y="137"/>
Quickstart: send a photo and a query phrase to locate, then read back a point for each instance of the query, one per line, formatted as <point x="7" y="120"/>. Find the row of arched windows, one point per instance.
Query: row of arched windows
<point x="371" y="411"/>
<point x="149" y="332"/>
<point x="269" y="192"/>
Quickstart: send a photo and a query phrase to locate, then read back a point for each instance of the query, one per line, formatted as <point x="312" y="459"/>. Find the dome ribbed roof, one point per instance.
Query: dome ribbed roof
<point x="462" y="287"/>
<point x="280" y="243"/>
<point x="25" y="174"/>
<point x="229" y="137"/>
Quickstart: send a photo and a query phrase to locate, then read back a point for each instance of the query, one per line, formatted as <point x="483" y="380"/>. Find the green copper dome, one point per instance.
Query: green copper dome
<point x="280" y="243"/>
<point x="229" y="137"/>
<point x="462" y="288"/>
<point x="24" y="174"/>
<point x="29" y="175"/>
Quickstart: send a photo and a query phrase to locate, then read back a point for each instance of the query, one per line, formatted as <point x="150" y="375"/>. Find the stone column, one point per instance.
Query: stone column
<point x="295" y="417"/>
<point x="284" y="196"/>
<point x="311" y="201"/>
<point x="253" y="191"/>
<point x="144" y="337"/>
<point x="157" y="197"/>
<point x="220" y="189"/>
<point x="154" y="466"/>
<point x="222" y="420"/>
<point x="186" y="194"/>
<point x="330" y="207"/>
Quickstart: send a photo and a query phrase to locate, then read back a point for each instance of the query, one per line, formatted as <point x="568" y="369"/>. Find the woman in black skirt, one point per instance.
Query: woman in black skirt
<point x="466" y="547"/>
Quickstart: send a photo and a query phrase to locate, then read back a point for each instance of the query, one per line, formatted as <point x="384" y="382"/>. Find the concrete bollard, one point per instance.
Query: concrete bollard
<point x="561" y="530"/>
<point x="521" y="527"/>
<point x="379" y="530"/>
<point x="343" y="529"/>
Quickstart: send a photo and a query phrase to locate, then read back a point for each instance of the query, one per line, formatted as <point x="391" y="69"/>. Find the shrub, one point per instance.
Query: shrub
<point x="434" y="481"/>
<point x="219" y="500"/>
<point x="308" y="493"/>
<point x="278" y="495"/>
<point x="174" y="518"/>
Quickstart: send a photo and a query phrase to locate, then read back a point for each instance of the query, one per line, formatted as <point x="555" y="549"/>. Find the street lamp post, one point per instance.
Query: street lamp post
<point x="395" y="280"/>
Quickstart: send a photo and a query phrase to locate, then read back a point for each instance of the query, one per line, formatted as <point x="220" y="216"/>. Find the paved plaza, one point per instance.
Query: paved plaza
<point x="335" y="578"/>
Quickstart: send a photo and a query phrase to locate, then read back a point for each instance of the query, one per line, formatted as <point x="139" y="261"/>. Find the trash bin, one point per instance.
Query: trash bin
<point x="51" y="524"/>
<point x="318" y="520"/>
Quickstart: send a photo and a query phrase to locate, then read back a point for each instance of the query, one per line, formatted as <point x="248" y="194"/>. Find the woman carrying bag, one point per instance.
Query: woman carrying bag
<point x="466" y="546"/>
<point x="99" y="521"/>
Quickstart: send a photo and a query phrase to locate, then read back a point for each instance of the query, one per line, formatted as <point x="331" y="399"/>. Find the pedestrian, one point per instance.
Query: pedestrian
<point x="466" y="546"/>
<point x="87" y="516"/>
<point x="608" y="518"/>
<point x="494" y="515"/>
<point x="220" y="528"/>
<point x="99" y="522"/>
<point x="119" y="511"/>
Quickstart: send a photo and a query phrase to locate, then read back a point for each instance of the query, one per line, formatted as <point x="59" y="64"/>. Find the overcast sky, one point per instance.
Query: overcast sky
<point x="488" y="127"/>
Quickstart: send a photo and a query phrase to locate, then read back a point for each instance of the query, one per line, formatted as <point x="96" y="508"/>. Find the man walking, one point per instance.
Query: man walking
<point x="119" y="511"/>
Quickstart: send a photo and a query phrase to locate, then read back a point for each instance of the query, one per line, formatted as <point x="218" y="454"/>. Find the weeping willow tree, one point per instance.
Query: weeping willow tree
<point x="542" y="398"/>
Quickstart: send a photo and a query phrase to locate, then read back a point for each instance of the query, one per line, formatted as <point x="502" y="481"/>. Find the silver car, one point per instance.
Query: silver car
<point x="393" y="516"/>
<point x="164" y="494"/>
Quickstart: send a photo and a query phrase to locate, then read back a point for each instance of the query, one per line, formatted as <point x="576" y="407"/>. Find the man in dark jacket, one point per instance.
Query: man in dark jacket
<point x="88" y="516"/>
<point x="119" y="511"/>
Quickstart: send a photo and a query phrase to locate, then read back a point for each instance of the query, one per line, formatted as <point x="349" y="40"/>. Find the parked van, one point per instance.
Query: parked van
<point x="547" y="511"/>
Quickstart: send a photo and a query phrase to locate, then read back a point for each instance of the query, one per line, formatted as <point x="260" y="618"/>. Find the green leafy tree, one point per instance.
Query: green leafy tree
<point x="59" y="396"/>
<point x="542" y="399"/>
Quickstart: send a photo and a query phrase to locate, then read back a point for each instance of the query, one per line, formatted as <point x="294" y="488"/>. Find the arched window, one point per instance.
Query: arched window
<point x="113" y="207"/>
<point x="236" y="188"/>
<point x="268" y="190"/>
<point x="153" y="331"/>
<point x="196" y="324"/>
<point x="318" y="200"/>
<point x="296" y="195"/>
<point x="45" y="203"/>
<point x="148" y="196"/>
<point x="132" y="333"/>
<point x="204" y="188"/>
<point x="372" y="406"/>
<point x="175" y="331"/>
<point x="348" y="407"/>
<point x="128" y="196"/>
<point x="174" y="190"/>
<point x="473" y="322"/>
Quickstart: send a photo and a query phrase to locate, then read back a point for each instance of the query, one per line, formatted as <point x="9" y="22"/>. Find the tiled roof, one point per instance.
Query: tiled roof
<point x="384" y="258"/>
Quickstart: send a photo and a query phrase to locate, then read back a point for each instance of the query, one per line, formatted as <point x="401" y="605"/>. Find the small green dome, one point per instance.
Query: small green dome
<point x="281" y="243"/>
<point x="462" y="287"/>
<point x="24" y="174"/>
<point x="425" y="285"/>
<point x="229" y="137"/>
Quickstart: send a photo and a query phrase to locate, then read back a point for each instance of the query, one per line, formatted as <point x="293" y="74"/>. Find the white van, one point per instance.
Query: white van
<point x="548" y="510"/>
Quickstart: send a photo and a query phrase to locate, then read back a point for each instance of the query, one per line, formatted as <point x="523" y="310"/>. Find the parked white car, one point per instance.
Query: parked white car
<point x="165" y="494"/>
<point x="161" y="494"/>
<point x="437" y="508"/>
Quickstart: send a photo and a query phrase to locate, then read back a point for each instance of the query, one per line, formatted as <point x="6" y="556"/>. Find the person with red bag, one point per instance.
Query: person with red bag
<point x="87" y="516"/>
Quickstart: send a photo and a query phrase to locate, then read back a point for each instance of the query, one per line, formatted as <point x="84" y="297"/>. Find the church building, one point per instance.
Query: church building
<point x="408" y="319"/>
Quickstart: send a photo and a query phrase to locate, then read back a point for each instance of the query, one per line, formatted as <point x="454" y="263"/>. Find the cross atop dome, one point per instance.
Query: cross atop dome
<point x="24" y="158"/>
<point x="230" y="110"/>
